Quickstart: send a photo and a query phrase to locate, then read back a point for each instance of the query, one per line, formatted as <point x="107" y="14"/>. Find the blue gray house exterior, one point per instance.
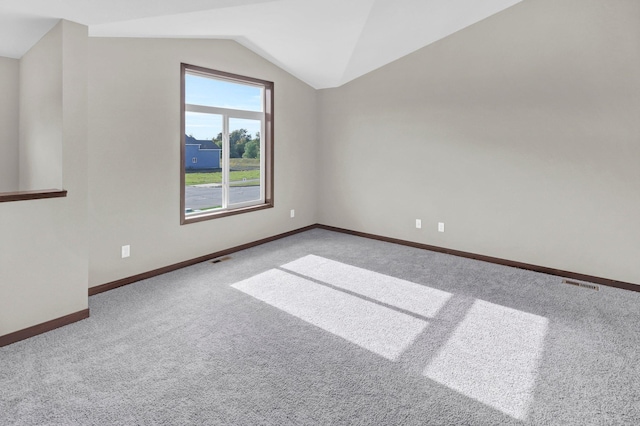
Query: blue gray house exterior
<point x="201" y="155"/>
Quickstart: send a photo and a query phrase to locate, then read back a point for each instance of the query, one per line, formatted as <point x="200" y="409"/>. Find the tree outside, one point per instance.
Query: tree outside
<point x="241" y="145"/>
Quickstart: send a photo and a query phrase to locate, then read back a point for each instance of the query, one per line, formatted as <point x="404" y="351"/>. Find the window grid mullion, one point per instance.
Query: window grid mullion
<point x="226" y="159"/>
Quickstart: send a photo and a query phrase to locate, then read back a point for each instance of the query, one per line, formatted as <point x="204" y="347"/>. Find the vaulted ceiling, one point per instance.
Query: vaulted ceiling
<point x="325" y="43"/>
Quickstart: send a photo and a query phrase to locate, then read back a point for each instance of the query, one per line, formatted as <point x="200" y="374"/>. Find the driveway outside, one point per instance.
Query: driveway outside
<point x="200" y="197"/>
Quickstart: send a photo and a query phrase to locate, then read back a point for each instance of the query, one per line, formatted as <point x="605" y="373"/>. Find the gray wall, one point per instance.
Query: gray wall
<point x="40" y="151"/>
<point x="521" y="133"/>
<point x="9" y="105"/>
<point x="43" y="248"/>
<point x="134" y="107"/>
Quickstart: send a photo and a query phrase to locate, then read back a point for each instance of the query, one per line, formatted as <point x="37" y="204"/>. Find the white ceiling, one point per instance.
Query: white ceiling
<point x="325" y="43"/>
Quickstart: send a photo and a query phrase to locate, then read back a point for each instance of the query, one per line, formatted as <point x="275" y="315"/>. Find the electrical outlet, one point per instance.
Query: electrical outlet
<point x="126" y="251"/>
<point x="440" y="226"/>
<point x="293" y="213"/>
<point x="418" y="223"/>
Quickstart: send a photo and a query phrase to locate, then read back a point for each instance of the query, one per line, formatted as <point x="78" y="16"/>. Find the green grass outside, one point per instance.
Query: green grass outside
<point x="200" y="178"/>
<point x="244" y="163"/>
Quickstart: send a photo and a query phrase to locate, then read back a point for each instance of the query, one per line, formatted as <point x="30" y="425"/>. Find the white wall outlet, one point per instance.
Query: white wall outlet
<point x="126" y="251"/>
<point x="293" y="213"/>
<point x="440" y="226"/>
<point x="418" y="223"/>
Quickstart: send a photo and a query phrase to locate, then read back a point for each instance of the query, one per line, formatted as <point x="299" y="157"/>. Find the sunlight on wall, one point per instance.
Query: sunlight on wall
<point x="402" y="294"/>
<point x="493" y="356"/>
<point x="377" y="328"/>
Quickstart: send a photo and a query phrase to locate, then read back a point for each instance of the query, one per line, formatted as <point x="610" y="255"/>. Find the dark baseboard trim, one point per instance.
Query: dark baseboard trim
<point x="26" y="333"/>
<point x="496" y="260"/>
<point x="545" y="270"/>
<point x="35" y="330"/>
<point x="145" y="275"/>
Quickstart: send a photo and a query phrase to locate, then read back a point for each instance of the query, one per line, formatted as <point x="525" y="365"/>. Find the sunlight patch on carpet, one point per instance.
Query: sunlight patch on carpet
<point x="376" y="328"/>
<point x="411" y="297"/>
<point x="493" y="357"/>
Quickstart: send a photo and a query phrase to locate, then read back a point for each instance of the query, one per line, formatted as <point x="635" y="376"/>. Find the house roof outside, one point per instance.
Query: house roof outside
<point x="204" y="144"/>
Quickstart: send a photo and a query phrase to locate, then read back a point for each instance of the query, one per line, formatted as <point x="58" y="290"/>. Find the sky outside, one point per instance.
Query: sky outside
<point x="211" y="92"/>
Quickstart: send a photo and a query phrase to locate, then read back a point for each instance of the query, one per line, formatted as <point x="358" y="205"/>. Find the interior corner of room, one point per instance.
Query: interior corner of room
<point x="523" y="138"/>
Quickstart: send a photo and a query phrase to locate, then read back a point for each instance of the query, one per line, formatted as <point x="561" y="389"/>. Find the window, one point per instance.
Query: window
<point x="227" y="132"/>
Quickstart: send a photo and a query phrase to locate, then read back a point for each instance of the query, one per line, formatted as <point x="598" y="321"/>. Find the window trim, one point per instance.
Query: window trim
<point x="268" y="136"/>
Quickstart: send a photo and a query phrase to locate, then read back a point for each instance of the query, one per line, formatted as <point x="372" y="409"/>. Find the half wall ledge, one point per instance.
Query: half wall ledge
<point x="32" y="195"/>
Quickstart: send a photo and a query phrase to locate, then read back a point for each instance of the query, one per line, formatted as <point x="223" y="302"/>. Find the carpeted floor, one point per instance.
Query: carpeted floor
<point x="325" y="328"/>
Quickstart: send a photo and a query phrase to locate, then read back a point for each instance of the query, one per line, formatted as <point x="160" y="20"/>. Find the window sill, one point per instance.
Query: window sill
<point x="208" y="216"/>
<point x="32" y="195"/>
